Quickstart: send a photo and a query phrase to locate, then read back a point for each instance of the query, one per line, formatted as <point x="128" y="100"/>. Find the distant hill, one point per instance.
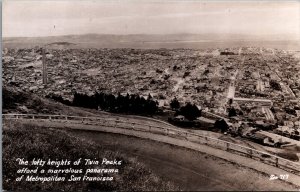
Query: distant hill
<point x="60" y="45"/>
<point x="146" y="41"/>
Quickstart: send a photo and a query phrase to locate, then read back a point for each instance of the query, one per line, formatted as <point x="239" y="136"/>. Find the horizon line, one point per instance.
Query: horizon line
<point x="115" y="34"/>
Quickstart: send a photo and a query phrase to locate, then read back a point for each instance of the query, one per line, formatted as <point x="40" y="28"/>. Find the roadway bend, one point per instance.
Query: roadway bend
<point x="238" y="160"/>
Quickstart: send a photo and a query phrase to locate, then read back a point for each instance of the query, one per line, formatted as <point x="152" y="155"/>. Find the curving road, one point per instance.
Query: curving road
<point x="187" y="168"/>
<point x="210" y="169"/>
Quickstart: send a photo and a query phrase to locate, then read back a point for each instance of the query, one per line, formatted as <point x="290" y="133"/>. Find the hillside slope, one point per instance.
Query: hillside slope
<point x="28" y="142"/>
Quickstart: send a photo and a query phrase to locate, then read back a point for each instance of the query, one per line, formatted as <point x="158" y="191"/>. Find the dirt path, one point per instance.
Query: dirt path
<point x="189" y="169"/>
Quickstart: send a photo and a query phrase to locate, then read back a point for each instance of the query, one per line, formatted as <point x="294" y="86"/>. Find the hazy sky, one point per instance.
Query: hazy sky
<point x="47" y="18"/>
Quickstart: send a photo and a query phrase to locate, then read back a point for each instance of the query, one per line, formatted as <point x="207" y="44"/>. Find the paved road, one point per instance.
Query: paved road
<point x="187" y="168"/>
<point x="233" y="81"/>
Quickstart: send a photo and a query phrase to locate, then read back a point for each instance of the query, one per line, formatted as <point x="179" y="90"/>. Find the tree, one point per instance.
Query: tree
<point x="275" y="85"/>
<point x="272" y="109"/>
<point x="190" y="112"/>
<point x="149" y="97"/>
<point x="119" y="104"/>
<point x="111" y="101"/>
<point x="231" y="112"/>
<point x="174" y="104"/>
<point x="221" y="124"/>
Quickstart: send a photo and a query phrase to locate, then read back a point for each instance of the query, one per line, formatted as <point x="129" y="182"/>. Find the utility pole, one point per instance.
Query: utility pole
<point x="44" y="67"/>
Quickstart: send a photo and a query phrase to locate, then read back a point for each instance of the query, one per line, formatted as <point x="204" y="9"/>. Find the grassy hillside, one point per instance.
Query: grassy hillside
<point x="16" y="101"/>
<point x="28" y="142"/>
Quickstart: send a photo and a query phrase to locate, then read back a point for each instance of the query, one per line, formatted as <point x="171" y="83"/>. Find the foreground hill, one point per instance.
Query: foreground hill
<point x="17" y="101"/>
<point x="28" y="142"/>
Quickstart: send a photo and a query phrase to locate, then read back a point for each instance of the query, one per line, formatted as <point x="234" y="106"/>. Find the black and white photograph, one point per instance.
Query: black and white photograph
<point x="150" y="95"/>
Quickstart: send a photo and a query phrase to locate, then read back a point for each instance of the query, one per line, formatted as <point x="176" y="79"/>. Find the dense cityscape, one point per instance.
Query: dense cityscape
<point x="150" y="95"/>
<point x="255" y="85"/>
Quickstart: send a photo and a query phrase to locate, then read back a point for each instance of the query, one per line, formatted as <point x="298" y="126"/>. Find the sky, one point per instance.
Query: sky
<point x="65" y="17"/>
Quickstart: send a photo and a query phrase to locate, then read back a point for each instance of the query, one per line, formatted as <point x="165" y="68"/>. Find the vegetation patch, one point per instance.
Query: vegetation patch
<point x="289" y="155"/>
<point x="28" y="142"/>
